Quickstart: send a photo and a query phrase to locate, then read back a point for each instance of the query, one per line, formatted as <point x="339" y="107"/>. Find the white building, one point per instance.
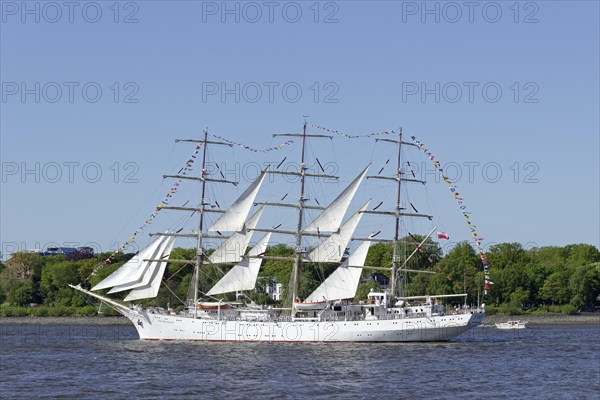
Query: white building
<point x="274" y="290"/>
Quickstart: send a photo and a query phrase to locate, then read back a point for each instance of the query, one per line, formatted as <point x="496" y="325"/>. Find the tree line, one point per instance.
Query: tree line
<point x="546" y="279"/>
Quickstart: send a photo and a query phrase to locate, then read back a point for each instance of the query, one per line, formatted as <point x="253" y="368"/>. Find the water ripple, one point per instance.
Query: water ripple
<point x="109" y="363"/>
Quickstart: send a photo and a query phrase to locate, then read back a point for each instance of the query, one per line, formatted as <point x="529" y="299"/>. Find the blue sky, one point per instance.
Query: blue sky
<point x="503" y="88"/>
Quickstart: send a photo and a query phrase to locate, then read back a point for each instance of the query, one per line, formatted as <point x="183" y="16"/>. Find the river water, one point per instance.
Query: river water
<point x="91" y="361"/>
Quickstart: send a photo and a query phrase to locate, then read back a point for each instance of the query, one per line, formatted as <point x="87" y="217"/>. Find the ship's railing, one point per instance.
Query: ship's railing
<point x="338" y="316"/>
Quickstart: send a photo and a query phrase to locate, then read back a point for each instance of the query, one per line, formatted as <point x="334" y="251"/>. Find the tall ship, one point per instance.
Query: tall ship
<point x="329" y="313"/>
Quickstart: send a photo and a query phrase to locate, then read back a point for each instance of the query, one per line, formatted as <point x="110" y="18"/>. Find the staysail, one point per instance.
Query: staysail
<point x="242" y="276"/>
<point x="133" y="269"/>
<point x="332" y="249"/>
<point x="343" y="282"/>
<point x="232" y="249"/>
<point x="154" y="277"/>
<point x="233" y="219"/>
<point x="331" y="218"/>
<point x="149" y="268"/>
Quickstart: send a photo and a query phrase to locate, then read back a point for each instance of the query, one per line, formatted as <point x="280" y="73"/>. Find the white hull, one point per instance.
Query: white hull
<point x="427" y="329"/>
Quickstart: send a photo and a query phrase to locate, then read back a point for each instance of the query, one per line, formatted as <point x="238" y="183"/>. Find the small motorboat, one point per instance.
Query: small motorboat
<point x="512" y="325"/>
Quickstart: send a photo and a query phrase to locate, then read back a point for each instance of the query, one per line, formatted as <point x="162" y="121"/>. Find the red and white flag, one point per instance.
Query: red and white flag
<point x="442" y="235"/>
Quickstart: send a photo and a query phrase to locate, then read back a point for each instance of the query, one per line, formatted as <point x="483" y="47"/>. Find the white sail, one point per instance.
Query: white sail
<point x="332" y="249"/>
<point x="242" y="276"/>
<point x="331" y="218"/>
<point x="133" y="269"/>
<point x="233" y="219"/>
<point x="150" y="289"/>
<point x="232" y="249"/>
<point x="343" y="282"/>
<point x="150" y="268"/>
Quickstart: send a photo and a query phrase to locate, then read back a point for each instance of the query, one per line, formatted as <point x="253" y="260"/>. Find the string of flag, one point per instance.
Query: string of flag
<point x="352" y="136"/>
<point x="466" y="214"/>
<point x="265" y="150"/>
<point x="172" y="191"/>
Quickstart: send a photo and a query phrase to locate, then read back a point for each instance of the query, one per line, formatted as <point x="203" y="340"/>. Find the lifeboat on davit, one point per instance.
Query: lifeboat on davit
<point x="213" y="306"/>
<point x="316" y="305"/>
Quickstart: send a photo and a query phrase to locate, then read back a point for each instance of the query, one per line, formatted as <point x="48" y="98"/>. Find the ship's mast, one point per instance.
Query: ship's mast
<point x="199" y="252"/>
<point x="397" y="213"/>
<point x="192" y="297"/>
<point x="396" y="255"/>
<point x="301" y="205"/>
<point x="298" y="259"/>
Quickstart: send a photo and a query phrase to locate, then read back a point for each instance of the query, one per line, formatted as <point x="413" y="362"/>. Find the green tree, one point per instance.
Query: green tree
<point x="585" y="285"/>
<point x="380" y="255"/>
<point x="426" y="255"/>
<point x="25" y="265"/>
<point x="556" y="288"/>
<point x="184" y="286"/>
<point x="519" y="298"/>
<point x="458" y="271"/>
<point x="510" y="272"/>
<point x="21" y="294"/>
<point x="504" y="255"/>
<point x="582" y="254"/>
<point x="549" y="259"/>
<point x="55" y="280"/>
<point x="2" y="292"/>
<point x="440" y="283"/>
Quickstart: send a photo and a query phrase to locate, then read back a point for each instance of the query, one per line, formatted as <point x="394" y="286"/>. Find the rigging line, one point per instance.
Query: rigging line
<point x="177" y="272"/>
<point x="173" y="293"/>
<point x="136" y="213"/>
<point x="335" y="158"/>
<point x="210" y="296"/>
<point x="310" y="187"/>
<point x="363" y="187"/>
<point x="169" y="196"/>
<point x="141" y="207"/>
<point x="429" y="196"/>
<point x="179" y="222"/>
<point x="215" y="265"/>
<point x="185" y="220"/>
<point x="274" y="264"/>
<point x="89" y="299"/>
<point x="438" y="216"/>
<point x="215" y="190"/>
<point x="210" y="278"/>
<point x="171" y="157"/>
<point x="182" y="220"/>
<point x="320" y="271"/>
